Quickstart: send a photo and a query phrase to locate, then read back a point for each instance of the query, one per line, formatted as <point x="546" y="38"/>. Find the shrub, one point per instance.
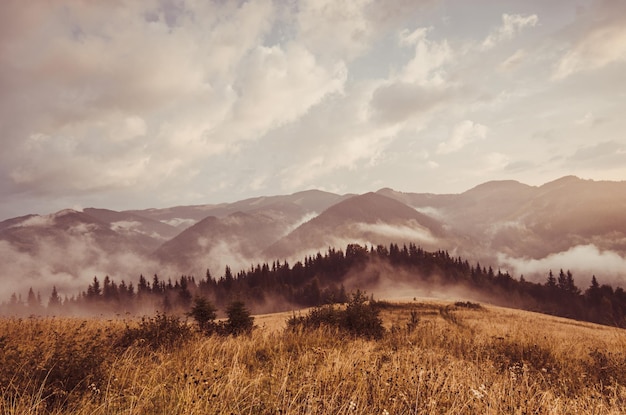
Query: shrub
<point x="468" y="304"/>
<point x="240" y="321"/>
<point x="359" y="318"/>
<point x="156" y="332"/>
<point x="204" y="313"/>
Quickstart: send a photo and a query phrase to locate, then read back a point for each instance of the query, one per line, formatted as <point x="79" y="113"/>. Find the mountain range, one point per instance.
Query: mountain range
<point x="567" y="223"/>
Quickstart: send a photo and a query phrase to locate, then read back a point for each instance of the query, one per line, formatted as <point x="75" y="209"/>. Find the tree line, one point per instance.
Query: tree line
<point x="320" y="279"/>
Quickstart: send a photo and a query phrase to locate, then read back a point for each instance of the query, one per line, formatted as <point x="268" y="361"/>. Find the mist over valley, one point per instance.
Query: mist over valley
<point x="524" y="231"/>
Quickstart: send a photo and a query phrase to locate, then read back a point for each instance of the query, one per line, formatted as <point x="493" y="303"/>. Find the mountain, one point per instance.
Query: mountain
<point x="236" y="240"/>
<point x="61" y="249"/>
<point x="184" y="216"/>
<point x="30" y="233"/>
<point x="567" y="223"/>
<point x="368" y="219"/>
<point x="143" y="233"/>
<point x="514" y="219"/>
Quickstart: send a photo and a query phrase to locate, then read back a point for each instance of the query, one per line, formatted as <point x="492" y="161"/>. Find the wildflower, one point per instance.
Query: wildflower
<point x="477" y="394"/>
<point x="352" y="406"/>
<point x="385" y="412"/>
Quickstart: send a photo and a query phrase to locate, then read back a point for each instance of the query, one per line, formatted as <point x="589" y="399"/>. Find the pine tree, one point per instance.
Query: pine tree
<point x="204" y="313"/>
<point x="31" y="300"/>
<point x="55" y="301"/>
<point x="94" y="290"/>
<point x="142" y="286"/>
<point x="593" y="293"/>
<point x="240" y="321"/>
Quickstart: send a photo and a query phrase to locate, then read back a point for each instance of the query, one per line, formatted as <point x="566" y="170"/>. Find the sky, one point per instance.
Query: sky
<point x="138" y="104"/>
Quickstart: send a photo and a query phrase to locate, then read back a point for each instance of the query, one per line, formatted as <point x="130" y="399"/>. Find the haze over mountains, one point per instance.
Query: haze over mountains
<point x="569" y="223"/>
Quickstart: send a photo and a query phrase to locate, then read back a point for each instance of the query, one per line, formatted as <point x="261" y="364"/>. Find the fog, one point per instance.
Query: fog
<point x="386" y="282"/>
<point x="583" y="260"/>
<point x="409" y="232"/>
<point x="180" y="223"/>
<point x="70" y="266"/>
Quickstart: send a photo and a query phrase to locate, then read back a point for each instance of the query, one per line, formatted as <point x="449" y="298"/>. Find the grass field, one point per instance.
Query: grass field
<point x="456" y="360"/>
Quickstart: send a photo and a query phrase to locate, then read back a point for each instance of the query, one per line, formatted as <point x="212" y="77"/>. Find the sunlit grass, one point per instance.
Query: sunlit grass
<point x="454" y="361"/>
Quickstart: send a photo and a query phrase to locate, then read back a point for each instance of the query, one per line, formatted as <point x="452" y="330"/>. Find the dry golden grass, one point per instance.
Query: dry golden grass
<point x="456" y="361"/>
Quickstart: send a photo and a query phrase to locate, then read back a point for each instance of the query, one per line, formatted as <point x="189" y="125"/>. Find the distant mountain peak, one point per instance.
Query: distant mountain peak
<point x="498" y="186"/>
<point x="564" y="181"/>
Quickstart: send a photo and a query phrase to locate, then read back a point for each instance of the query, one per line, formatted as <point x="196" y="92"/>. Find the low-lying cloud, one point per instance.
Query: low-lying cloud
<point x="69" y="264"/>
<point x="583" y="260"/>
<point x="409" y="232"/>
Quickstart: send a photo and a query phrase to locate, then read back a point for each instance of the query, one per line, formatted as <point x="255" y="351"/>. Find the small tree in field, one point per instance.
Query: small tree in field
<point x="362" y="318"/>
<point x="359" y="318"/>
<point x="204" y="313"/>
<point x="240" y="321"/>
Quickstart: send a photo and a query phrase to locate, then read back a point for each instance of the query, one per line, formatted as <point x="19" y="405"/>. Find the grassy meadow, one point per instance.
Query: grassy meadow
<point x="456" y="359"/>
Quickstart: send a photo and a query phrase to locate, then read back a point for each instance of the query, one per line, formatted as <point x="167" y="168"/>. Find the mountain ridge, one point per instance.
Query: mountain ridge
<point x="522" y="228"/>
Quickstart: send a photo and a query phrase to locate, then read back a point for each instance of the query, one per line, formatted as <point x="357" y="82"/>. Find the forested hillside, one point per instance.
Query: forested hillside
<point x="325" y="278"/>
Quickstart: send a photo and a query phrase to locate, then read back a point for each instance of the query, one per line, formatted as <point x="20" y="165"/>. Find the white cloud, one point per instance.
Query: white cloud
<point x="335" y="29"/>
<point x="346" y="30"/>
<point x="153" y="103"/>
<point x="598" y="48"/>
<point x="344" y="153"/>
<point x="277" y="86"/>
<point x="125" y="226"/>
<point x="36" y="221"/>
<point x="513" y="61"/>
<point x="132" y="127"/>
<point x="426" y="66"/>
<point x="132" y="94"/>
<point x="180" y="222"/>
<point x="511" y="25"/>
<point x="494" y="161"/>
<point x="582" y="260"/>
<point x="463" y="134"/>
<point x="408" y="232"/>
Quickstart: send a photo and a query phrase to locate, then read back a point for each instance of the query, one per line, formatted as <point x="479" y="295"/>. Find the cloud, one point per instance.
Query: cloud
<point x="182" y="223"/>
<point x="345" y="153"/>
<point x="155" y="103"/>
<point x="426" y="68"/>
<point x="277" y="86"/>
<point x="69" y="262"/>
<point x="494" y="161"/>
<point x="346" y="30"/>
<point x="596" y="49"/>
<point x="141" y="95"/>
<point x="606" y="153"/>
<point x="597" y="38"/>
<point x="36" y="221"/>
<point x="397" y="102"/>
<point x="583" y="260"/>
<point x="410" y="232"/>
<point x="125" y="226"/>
<point x="513" y="61"/>
<point x="511" y="25"/>
<point x="463" y="134"/>
<point x="335" y="29"/>
<point x="590" y="120"/>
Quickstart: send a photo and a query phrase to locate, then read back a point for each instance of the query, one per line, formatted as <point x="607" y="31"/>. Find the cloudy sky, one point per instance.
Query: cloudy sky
<point x="136" y="104"/>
